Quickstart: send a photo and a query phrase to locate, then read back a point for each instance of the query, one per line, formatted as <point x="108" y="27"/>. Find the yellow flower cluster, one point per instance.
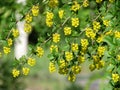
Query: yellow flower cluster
<point x="62" y="63"/>
<point x="67" y="30"/>
<point x="84" y="44"/>
<point x="72" y="77"/>
<point x="49" y="19"/>
<point x="101" y="50"/>
<point x="15" y="33"/>
<point x="100" y="39"/>
<point x="27" y="28"/>
<point x="85" y="3"/>
<point x="96" y="26"/>
<point x="9" y="41"/>
<point x="109" y="32"/>
<point x="118" y="57"/>
<point x="31" y="61"/>
<point x="61" y="13"/>
<point x="74" y="47"/>
<point x="68" y="56"/>
<point x="81" y="59"/>
<point x="39" y="51"/>
<point x="106" y="22"/>
<point x="115" y="77"/>
<point x="15" y="73"/>
<point x="6" y="50"/>
<point x="111" y="1"/>
<point x="28" y="18"/>
<point x="53" y="3"/>
<point x="89" y="33"/>
<point x="35" y="10"/>
<point x="25" y="70"/>
<point x="53" y="48"/>
<point x="56" y="37"/>
<point x="117" y="34"/>
<point x="75" y="22"/>
<point x="52" y="67"/>
<point x="75" y="7"/>
<point x="76" y="69"/>
<point x="98" y="1"/>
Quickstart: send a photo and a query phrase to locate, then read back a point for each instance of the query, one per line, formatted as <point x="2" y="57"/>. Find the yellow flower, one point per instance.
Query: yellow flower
<point x="101" y="63"/>
<point x="96" y="26"/>
<point x="15" y="33"/>
<point x="75" y="22"/>
<point x="98" y="1"/>
<point x="100" y="39"/>
<point x="84" y="44"/>
<point x="118" y="57"/>
<point x="68" y="56"/>
<point x="56" y="37"/>
<point x="109" y="32"/>
<point x="28" y="18"/>
<point x="31" y="61"/>
<point x="15" y="73"/>
<point x="35" y="10"/>
<point x="101" y="50"/>
<point x="25" y="70"/>
<point x="27" y="28"/>
<point x="61" y="13"/>
<point x="76" y="69"/>
<point x="62" y="64"/>
<point x="89" y="33"/>
<point x="72" y="77"/>
<point x="39" y="51"/>
<point x="111" y="1"/>
<point x="67" y="30"/>
<point x="53" y="48"/>
<point x="9" y="41"/>
<point x="81" y="59"/>
<point x="6" y="50"/>
<point x="92" y="67"/>
<point x="115" y="77"/>
<point x="117" y="34"/>
<point x="75" y="7"/>
<point x="85" y="3"/>
<point x="106" y="22"/>
<point x="53" y="3"/>
<point x="52" y="67"/>
<point x="49" y="19"/>
<point x="74" y="47"/>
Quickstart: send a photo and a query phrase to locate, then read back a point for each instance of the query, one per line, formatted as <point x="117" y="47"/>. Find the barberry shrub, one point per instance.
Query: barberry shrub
<point x="75" y="31"/>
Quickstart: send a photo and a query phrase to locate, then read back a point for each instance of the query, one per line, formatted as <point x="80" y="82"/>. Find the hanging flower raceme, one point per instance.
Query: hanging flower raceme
<point x="35" y="10"/>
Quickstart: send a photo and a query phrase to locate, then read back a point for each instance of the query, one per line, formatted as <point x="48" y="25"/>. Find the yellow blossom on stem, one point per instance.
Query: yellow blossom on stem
<point x="9" y="41"/>
<point x="68" y="56"/>
<point x="15" y="73"/>
<point x="74" y="47"/>
<point x="100" y="39"/>
<point x="101" y="50"/>
<point x="85" y="3"/>
<point x="81" y="59"/>
<point x="27" y="28"/>
<point x="52" y="67"/>
<point x="63" y="64"/>
<point x="15" y="33"/>
<point x="75" y="22"/>
<point x="61" y="13"/>
<point x="31" y="61"/>
<point x="53" y="48"/>
<point x="72" y="77"/>
<point x="39" y="51"/>
<point x="84" y="44"/>
<point x="75" y="7"/>
<point x="115" y="77"/>
<point x="76" y="69"/>
<point x="25" y="70"/>
<point x="106" y="22"/>
<point x="118" y="57"/>
<point x="96" y="26"/>
<point x="98" y="1"/>
<point x="49" y="19"/>
<point x="28" y="18"/>
<point x="6" y="50"/>
<point x="35" y="10"/>
<point x="56" y="37"/>
<point x="53" y="3"/>
<point x="67" y="30"/>
<point x="117" y="34"/>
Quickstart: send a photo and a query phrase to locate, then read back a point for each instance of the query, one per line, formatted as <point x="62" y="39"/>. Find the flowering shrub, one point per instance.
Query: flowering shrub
<point x="76" y="31"/>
